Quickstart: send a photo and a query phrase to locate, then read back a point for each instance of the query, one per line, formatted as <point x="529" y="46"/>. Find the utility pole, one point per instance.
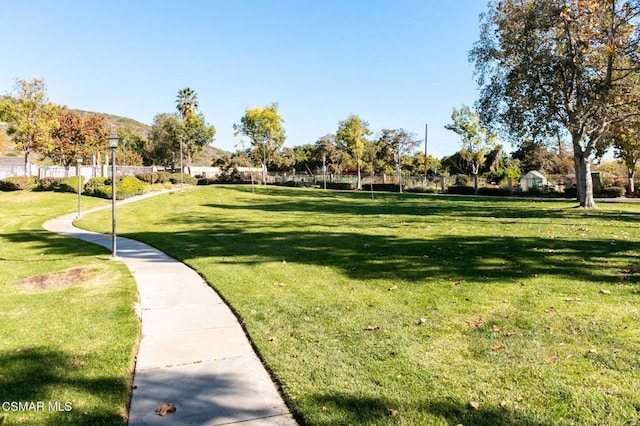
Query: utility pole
<point x="426" y="132"/>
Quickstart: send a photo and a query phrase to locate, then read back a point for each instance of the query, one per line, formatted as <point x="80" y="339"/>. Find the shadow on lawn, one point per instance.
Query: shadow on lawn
<point x="364" y="256"/>
<point x="50" y="244"/>
<point x="371" y="410"/>
<point x="29" y="376"/>
<point x="359" y="203"/>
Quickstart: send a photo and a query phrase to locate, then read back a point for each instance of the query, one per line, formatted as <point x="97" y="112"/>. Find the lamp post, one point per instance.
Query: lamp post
<point x="113" y="144"/>
<point x="79" y="186"/>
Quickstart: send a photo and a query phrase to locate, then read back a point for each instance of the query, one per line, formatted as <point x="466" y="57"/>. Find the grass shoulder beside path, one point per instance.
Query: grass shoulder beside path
<point x="413" y="309"/>
<point x="68" y="328"/>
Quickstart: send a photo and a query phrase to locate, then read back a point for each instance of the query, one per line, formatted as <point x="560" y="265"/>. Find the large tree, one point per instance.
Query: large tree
<point x="31" y="118"/>
<point x="625" y="138"/>
<point x="351" y="138"/>
<point x="394" y="145"/>
<point x="263" y="126"/>
<point x="477" y="140"/>
<point x="570" y="65"/>
<point x="76" y="136"/>
<point x="196" y="133"/>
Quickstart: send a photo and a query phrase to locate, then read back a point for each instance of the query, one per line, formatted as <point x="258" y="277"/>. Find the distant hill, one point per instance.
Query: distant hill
<point x="205" y="158"/>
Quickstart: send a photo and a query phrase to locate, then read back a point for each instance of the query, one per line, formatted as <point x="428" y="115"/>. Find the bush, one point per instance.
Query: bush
<point x="340" y="185"/>
<point x="493" y="192"/>
<point x="463" y="180"/>
<point x="386" y="187"/>
<point x="70" y="184"/>
<point x="174" y="178"/>
<point x="206" y="181"/>
<point x="18" y="183"/>
<point x="154" y="177"/>
<point x="94" y="185"/>
<point x="460" y="190"/>
<point x="130" y="186"/>
<point x="612" y="192"/>
<point x="48" y="184"/>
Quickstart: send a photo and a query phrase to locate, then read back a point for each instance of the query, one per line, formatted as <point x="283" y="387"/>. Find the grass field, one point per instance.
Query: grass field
<point x="67" y="325"/>
<point x="413" y="309"/>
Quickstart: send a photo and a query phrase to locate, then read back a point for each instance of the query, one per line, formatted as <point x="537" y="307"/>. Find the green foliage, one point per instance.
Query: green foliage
<point x="612" y="192"/>
<point x="351" y="138"/>
<point x="130" y="186"/>
<point x="18" y="183"/>
<point x="461" y="190"/>
<point x="176" y="178"/>
<point x="463" y="180"/>
<point x="343" y="186"/>
<point x="70" y="184"/>
<point x="154" y="177"/>
<point x="48" y="184"/>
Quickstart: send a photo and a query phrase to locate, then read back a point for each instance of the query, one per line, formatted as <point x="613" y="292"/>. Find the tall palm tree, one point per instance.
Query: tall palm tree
<point x="186" y="102"/>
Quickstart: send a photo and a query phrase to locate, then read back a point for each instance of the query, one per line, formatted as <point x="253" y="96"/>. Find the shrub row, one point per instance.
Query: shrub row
<point x="154" y="177"/>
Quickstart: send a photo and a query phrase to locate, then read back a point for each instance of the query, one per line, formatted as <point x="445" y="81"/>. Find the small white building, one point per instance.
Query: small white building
<point x="533" y="179"/>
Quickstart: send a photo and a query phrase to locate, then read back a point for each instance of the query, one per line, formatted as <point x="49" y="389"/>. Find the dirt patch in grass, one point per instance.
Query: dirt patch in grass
<point x="58" y="279"/>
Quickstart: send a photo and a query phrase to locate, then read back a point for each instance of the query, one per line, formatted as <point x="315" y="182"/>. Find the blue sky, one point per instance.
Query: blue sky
<point x="396" y="64"/>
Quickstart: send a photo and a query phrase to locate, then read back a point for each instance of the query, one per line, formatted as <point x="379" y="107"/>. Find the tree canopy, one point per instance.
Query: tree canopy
<point x="263" y="126"/>
<point x="351" y="137"/>
<point x="553" y="66"/>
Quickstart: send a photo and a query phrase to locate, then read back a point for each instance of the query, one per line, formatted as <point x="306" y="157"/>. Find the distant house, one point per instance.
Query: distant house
<point x="14" y="166"/>
<point x="533" y="179"/>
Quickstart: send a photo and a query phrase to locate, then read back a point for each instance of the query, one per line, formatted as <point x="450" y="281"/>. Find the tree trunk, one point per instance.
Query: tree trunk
<point x="264" y="173"/>
<point x="584" y="183"/>
<point x="359" y="184"/>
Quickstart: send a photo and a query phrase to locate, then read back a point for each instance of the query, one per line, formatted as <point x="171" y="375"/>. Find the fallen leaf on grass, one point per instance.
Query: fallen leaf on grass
<point x="474" y="405"/>
<point x="475" y="324"/>
<point x="593" y="351"/>
<point x="503" y="405"/>
<point x="550" y="310"/>
<point x="421" y="321"/>
<point x="284" y="262"/>
<point x="166" y="408"/>
<point x="605" y="291"/>
<point x="373" y="327"/>
<point x="572" y="299"/>
<point x="395" y="287"/>
<point x="497" y="347"/>
<point x="392" y="412"/>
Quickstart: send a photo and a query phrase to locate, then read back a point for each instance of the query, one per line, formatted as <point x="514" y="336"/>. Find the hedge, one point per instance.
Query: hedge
<point x="175" y="178"/>
<point x="18" y="183"/>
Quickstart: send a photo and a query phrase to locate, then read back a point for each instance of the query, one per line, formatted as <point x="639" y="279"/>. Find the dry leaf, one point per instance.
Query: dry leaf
<point x="605" y="292"/>
<point x="497" y="347"/>
<point x="166" y="408"/>
<point x="474" y="405"/>
<point x="550" y="310"/>
<point x="284" y="262"/>
<point x="573" y="299"/>
<point x="421" y="321"/>
<point x="373" y="327"/>
<point x="392" y="412"/>
<point x="593" y="351"/>
<point x="324" y="408"/>
<point x="475" y="324"/>
<point x="395" y="287"/>
<point x="503" y="405"/>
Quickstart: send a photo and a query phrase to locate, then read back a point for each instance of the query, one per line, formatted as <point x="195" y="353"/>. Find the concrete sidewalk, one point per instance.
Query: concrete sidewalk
<point x="193" y="352"/>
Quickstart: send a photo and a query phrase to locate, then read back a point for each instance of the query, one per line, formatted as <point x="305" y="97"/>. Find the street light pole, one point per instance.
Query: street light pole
<point x="79" y="186"/>
<point x="113" y="144"/>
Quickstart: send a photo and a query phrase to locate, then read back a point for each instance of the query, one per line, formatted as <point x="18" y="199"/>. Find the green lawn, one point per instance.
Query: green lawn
<point x="69" y="340"/>
<point x="411" y="309"/>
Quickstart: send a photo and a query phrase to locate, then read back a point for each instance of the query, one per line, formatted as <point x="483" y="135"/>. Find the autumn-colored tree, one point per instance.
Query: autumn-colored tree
<point x="351" y="138"/>
<point x="571" y="65"/>
<point x="31" y="118"/>
<point x="77" y="136"/>
<point x="263" y="126"/>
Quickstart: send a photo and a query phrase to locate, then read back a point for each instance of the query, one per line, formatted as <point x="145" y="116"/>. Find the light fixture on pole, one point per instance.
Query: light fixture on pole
<point x="79" y="186"/>
<point x="113" y="144"/>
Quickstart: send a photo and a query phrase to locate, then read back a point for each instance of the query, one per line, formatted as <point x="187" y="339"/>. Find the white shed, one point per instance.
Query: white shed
<point x="533" y="179"/>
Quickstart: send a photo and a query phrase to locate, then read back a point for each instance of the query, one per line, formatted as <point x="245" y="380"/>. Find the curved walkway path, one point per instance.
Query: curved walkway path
<point x="193" y="353"/>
